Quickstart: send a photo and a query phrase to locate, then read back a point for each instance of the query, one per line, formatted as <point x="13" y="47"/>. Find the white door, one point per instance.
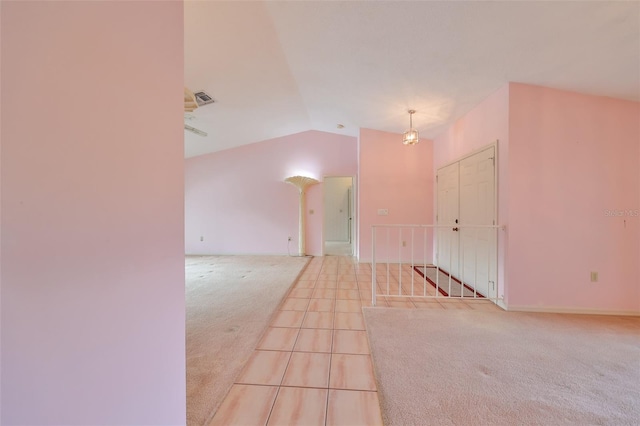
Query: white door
<point x="338" y="215"/>
<point x="466" y="198"/>
<point x="350" y="214"/>
<point x="477" y="207"/>
<point x="447" y="218"/>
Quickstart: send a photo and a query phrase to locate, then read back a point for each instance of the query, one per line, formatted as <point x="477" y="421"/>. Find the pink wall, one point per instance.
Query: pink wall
<point x="564" y="158"/>
<point x="238" y="202"/>
<point x="0" y="218"/>
<point x="398" y="178"/>
<point x="482" y="126"/>
<point x="572" y="158"/>
<point x="92" y="213"/>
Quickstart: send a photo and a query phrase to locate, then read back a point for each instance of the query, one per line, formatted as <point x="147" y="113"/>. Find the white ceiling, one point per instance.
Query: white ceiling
<point x="277" y="68"/>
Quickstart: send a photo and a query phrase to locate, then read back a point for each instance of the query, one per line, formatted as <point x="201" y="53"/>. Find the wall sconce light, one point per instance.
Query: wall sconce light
<point x="410" y="137"/>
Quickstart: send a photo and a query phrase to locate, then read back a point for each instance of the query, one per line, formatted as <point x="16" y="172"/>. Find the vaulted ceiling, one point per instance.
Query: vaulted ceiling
<point x="277" y="68"/>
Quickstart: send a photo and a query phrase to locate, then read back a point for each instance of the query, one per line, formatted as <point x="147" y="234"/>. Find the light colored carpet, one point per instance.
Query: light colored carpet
<point x="464" y="367"/>
<point x="229" y="303"/>
<point x="443" y="282"/>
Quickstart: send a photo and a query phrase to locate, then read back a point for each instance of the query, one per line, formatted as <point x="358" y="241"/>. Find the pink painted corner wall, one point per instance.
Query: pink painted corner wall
<point x="92" y="213"/>
<point x="564" y="161"/>
<point x="398" y="178"/>
<point x="574" y="179"/>
<point x="238" y="202"/>
<point x="485" y="124"/>
<point x="0" y="217"/>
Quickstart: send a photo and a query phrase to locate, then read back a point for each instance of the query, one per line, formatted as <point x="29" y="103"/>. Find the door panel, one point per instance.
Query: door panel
<point x="448" y="198"/>
<point x="477" y="207"/>
<point x="336" y="208"/>
<point x="350" y="213"/>
<point x="338" y="215"/>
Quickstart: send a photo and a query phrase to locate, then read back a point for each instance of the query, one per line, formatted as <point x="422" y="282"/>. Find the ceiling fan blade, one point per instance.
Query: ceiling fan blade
<point x="194" y="130"/>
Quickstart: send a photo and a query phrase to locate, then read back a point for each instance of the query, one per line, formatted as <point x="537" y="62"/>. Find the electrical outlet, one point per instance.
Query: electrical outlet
<point x="594" y="277"/>
<point x="383" y="212"/>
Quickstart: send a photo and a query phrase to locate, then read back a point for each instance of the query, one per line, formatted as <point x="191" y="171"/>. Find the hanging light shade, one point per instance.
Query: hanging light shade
<point x="410" y="137"/>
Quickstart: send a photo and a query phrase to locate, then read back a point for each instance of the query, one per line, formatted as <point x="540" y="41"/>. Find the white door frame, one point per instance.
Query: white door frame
<point x="353" y="212"/>
<point x="493" y="145"/>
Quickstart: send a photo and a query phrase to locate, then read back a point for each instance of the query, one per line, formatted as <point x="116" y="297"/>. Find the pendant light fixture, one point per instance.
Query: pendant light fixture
<point x="410" y="137"/>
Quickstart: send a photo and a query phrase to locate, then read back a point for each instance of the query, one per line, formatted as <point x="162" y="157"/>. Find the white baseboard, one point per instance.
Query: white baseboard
<point x="248" y="254"/>
<point x="559" y="310"/>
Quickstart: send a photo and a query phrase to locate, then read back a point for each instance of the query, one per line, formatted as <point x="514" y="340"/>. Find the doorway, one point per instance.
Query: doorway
<point x="338" y="227"/>
<point x="466" y="248"/>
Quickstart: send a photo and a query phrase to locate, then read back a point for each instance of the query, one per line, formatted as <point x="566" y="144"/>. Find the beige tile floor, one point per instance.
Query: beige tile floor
<point x="313" y="365"/>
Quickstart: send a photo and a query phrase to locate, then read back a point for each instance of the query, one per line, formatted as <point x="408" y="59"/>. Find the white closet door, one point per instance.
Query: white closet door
<point x="477" y="207"/>
<point x="448" y="189"/>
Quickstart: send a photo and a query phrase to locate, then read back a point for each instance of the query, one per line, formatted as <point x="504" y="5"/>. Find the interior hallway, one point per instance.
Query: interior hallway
<point x="313" y="365"/>
<point x="337" y="248"/>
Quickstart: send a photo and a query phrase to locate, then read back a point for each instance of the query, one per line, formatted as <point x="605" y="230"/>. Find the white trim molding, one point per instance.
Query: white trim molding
<point x="561" y="310"/>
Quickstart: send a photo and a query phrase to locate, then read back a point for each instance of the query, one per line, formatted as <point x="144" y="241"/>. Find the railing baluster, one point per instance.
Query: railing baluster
<point x="489" y="264"/>
<point x="400" y="262"/>
<point x="438" y="239"/>
<point x="424" y="264"/>
<point x="451" y="263"/>
<point x="436" y="234"/>
<point x="373" y="266"/>
<point x="412" y="263"/>
<point x="388" y="255"/>
<point x="475" y="267"/>
<point x="461" y="257"/>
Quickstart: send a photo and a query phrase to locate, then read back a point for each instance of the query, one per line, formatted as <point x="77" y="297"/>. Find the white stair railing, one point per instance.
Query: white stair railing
<point x="423" y="261"/>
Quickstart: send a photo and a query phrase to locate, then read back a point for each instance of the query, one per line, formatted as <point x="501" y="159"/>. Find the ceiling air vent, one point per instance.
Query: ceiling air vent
<point x="203" y="98"/>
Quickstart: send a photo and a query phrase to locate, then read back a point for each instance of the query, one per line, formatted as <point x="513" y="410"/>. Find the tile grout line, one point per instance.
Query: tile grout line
<point x="290" y="352"/>
<point x="328" y="270"/>
<point x="333" y="329"/>
<point x="287" y="366"/>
